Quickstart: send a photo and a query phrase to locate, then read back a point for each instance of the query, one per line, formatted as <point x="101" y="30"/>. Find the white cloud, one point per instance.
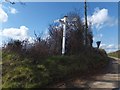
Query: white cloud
<point x="45" y="34"/>
<point x="3" y="15"/>
<point x="98" y="37"/>
<point x="13" y="10"/>
<point x="103" y="46"/>
<point x="101" y="18"/>
<point x="109" y="47"/>
<point x="94" y="38"/>
<point x="15" y="33"/>
<point x="98" y="17"/>
<point x="31" y="39"/>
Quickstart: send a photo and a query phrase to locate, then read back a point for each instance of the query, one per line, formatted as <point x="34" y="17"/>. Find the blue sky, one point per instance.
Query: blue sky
<point x="20" y="21"/>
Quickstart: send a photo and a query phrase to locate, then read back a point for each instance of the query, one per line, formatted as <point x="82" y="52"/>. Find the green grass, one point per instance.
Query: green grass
<point x="115" y="54"/>
<point x="22" y="73"/>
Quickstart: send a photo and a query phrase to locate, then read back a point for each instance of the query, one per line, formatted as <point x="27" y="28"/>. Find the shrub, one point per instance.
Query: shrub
<point x="23" y="73"/>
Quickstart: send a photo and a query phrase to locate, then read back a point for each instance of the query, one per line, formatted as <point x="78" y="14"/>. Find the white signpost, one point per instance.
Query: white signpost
<point x="64" y="35"/>
<point x="64" y="23"/>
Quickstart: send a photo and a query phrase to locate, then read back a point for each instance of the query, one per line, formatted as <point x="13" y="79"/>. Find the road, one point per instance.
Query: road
<point x="109" y="78"/>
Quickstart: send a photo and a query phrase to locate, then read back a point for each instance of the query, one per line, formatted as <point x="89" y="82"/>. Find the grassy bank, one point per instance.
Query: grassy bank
<point x="115" y="54"/>
<point x="23" y="73"/>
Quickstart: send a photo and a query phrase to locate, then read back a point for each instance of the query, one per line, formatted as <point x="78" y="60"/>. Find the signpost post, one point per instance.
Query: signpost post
<point x="64" y="34"/>
<point x="64" y="23"/>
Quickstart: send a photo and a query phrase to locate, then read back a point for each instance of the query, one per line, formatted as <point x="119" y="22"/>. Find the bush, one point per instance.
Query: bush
<point x="61" y="67"/>
<point x="23" y="73"/>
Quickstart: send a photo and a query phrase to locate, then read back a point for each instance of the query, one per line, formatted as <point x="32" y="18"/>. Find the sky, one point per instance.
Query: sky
<point x="20" y="21"/>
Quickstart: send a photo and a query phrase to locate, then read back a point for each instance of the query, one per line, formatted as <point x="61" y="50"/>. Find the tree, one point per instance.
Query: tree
<point x="90" y="36"/>
<point x="74" y="35"/>
<point x="14" y="46"/>
<point x="55" y="39"/>
<point x="11" y="2"/>
<point x="39" y="50"/>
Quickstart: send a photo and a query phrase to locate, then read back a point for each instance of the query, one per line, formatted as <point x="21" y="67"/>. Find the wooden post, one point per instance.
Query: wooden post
<point x="86" y="25"/>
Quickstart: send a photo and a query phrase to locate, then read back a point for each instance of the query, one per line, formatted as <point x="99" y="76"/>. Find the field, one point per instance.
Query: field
<point x="115" y="54"/>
